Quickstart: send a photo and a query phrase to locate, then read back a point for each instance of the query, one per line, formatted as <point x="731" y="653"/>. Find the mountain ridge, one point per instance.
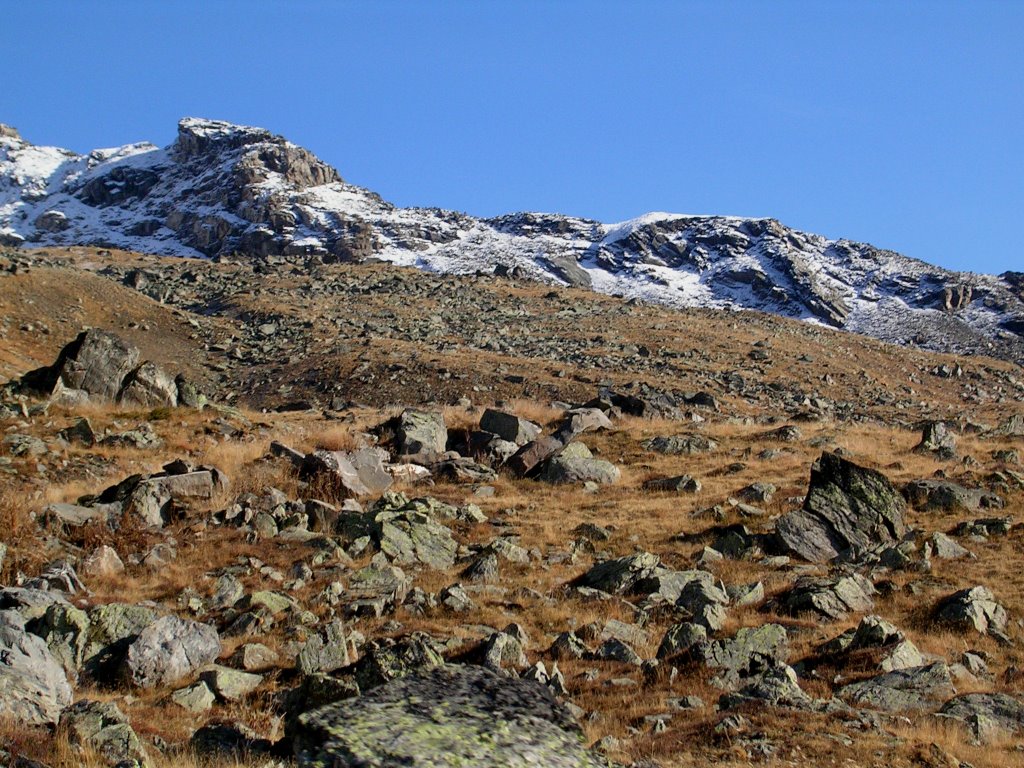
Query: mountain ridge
<point x="221" y="189"/>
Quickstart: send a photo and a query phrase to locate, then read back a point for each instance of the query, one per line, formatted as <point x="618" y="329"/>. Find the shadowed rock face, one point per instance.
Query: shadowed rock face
<point x="848" y="507"/>
<point x="451" y="716"/>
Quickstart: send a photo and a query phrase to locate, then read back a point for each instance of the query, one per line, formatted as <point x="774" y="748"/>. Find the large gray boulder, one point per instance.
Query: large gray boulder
<point x="751" y="650"/>
<point x="937" y="439"/>
<point x="34" y="688"/>
<point x="621" y="574"/>
<point x="453" y="716"/>
<point x="848" y="508"/>
<point x="579" y="469"/>
<point x="96" y="363"/>
<point x="168" y="650"/>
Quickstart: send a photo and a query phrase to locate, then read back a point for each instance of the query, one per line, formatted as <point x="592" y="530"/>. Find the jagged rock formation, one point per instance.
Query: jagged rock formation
<point x="221" y="189"/>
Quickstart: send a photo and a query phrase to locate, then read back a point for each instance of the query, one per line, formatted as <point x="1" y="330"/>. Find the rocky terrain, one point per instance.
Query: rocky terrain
<point x="220" y="190"/>
<point x="264" y="512"/>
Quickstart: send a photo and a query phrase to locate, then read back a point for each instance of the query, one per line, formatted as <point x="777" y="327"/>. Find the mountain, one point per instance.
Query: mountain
<point x="222" y="189"/>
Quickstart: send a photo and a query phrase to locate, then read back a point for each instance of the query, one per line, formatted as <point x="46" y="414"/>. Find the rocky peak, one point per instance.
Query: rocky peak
<point x="9" y="132"/>
<point x="198" y="136"/>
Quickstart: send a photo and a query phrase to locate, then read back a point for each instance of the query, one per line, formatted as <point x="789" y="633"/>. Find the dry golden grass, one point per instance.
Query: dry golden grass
<point x="542" y="517"/>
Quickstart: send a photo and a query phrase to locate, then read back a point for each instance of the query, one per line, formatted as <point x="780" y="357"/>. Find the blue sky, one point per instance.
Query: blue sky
<point x="898" y="124"/>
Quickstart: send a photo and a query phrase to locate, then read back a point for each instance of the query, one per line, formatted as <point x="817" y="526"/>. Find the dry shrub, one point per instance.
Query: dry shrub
<point x="20" y="534"/>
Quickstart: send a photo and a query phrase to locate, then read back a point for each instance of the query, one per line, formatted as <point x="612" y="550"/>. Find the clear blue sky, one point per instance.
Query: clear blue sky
<point x="895" y="123"/>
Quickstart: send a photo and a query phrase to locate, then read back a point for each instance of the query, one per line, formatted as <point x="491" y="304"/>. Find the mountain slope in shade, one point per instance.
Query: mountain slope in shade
<point x="222" y="189"/>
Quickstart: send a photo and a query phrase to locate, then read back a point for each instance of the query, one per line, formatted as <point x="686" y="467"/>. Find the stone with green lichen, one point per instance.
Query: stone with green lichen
<point x="112" y="627"/>
<point x="452" y="717"/>
<point x="65" y="630"/>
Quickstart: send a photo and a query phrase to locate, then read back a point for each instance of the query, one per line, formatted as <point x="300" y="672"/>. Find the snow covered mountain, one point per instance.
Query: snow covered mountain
<point x="223" y="189"/>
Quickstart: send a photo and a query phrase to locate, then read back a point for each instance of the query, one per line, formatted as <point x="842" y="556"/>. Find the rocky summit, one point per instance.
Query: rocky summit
<point x="294" y="505"/>
<point x="221" y="189"/>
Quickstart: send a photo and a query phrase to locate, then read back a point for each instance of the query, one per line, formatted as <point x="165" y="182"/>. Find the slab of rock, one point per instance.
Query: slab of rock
<point x="529" y="459"/>
<point x="847" y="508"/>
<point x="96" y="363"/>
<point x="619" y="575"/>
<point x="937" y="439"/>
<point x="148" y="386"/>
<point x="335" y="470"/>
<point x="34" y="688"/>
<point x="579" y="420"/>
<point x="451" y="716"/>
<point x="168" y="650"/>
<point x="916" y="688"/>
<point x="677" y="484"/>
<point x="749" y="651"/>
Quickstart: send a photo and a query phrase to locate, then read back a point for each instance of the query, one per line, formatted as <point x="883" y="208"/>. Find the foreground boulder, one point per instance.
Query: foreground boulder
<point x="103" y="728"/>
<point x="452" y="716"/>
<point x="848" y="509"/>
<point x="33" y="685"/>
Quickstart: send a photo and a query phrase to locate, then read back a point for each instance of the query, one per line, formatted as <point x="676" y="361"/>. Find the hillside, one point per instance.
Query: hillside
<point x="282" y="511"/>
<point x="222" y="189"/>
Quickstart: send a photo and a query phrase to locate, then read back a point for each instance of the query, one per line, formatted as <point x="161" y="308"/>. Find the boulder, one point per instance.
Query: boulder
<point x="112" y="627"/>
<point x="335" y="470"/>
<point x="999" y="710"/>
<point x="103" y="728"/>
<point x="947" y="496"/>
<point x="419" y="432"/>
<point x="149" y="387"/>
<point x="677" y="484"/>
<point x="568" y="469"/>
<point x="975" y="608"/>
<point x="34" y="688"/>
<point x="619" y="575"/>
<point x="749" y="651"/>
<point x="675" y="445"/>
<point x="95" y="363"/>
<point x="937" y="439"/>
<point x="509" y="427"/>
<point x="831" y="599"/>
<point x="847" y="508"/>
<point x="915" y="688"/>
<point x="450" y="716"/>
<point x="528" y="460"/>
<point x="168" y="650"/>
